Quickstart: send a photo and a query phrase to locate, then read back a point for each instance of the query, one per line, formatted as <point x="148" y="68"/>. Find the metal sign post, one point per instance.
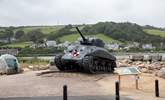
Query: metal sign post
<point x="137" y="78"/>
<point x="123" y="71"/>
<point x="119" y="80"/>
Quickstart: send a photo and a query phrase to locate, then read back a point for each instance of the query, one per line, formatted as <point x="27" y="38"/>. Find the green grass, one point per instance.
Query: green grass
<point x="20" y="45"/>
<point x="155" y="32"/>
<point x="1" y="31"/>
<point x="80" y="28"/>
<point x="73" y="37"/>
<point x="70" y="38"/>
<point x="106" y="38"/>
<point x="43" y="29"/>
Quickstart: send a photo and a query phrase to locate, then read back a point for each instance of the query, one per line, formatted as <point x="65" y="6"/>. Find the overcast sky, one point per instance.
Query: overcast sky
<point x="52" y="12"/>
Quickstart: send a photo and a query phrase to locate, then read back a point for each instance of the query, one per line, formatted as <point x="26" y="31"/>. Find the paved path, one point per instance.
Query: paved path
<point x="69" y="98"/>
<point x="29" y="85"/>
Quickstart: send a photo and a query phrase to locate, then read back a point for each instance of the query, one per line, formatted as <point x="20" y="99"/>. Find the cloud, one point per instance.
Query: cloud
<point x="52" y="12"/>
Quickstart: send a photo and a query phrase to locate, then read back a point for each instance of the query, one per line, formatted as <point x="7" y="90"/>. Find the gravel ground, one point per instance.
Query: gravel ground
<point x="127" y="88"/>
<point x="32" y="87"/>
<point x="29" y="84"/>
<point x="69" y="98"/>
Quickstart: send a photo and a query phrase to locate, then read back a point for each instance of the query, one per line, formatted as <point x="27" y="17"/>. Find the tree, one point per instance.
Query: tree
<point x="35" y="36"/>
<point x="2" y="35"/>
<point x="61" y="32"/>
<point x="19" y="34"/>
<point x="9" y="34"/>
<point x="124" y="32"/>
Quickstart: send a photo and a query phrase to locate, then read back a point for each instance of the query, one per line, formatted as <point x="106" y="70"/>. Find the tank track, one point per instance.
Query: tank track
<point x="89" y="64"/>
<point x="63" y="66"/>
<point x="58" y="63"/>
<point x="98" y="65"/>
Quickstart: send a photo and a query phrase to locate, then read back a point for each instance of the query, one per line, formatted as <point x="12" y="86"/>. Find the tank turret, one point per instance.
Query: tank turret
<point x="93" y="42"/>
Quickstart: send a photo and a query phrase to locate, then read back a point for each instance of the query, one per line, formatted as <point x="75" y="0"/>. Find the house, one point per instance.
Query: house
<point x="148" y="46"/>
<point x="162" y="45"/>
<point x="132" y="45"/>
<point x="4" y="41"/>
<point x="112" y="46"/>
<point x="63" y="45"/>
<point x="42" y="45"/>
<point x="51" y="43"/>
<point x="66" y="43"/>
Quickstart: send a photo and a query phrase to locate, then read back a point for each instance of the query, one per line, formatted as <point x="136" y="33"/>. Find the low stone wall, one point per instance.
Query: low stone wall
<point x="154" y="67"/>
<point x="9" y="51"/>
<point x="147" y="57"/>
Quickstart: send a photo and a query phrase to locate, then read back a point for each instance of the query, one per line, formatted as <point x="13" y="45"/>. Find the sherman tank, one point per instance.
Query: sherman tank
<point x="87" y="56"/>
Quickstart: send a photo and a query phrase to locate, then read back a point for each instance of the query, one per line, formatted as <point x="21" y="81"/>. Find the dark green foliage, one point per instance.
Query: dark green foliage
<point x="86" y="29"/>
<point x="36" y="36"/>
<point x="19" y="34"/>
<point x="1" y="44"/>
<point x="122" y="32"/>
<point x="61" y="32"/>
<point x="38" y="51"/>
<point x="8" y="34"/>
<point x="152" y="27"/>
<point x="2" y="35"/>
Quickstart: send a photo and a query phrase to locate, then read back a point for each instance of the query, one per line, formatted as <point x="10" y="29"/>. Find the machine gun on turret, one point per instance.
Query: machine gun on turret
<point x="93" y="42"/>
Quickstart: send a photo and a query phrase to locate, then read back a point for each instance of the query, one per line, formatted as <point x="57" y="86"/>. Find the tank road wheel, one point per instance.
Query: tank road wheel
<point x="92" y="64"/>
<point x="111" y="66"/>
<point x="88" y="64"/>
<point x="109" y="69"/>
<point x="58" y="62"/>
<point x="96" y="66"/>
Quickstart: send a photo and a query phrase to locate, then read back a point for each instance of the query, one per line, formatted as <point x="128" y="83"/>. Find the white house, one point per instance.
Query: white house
<point x="4" y="41"/>
<point x="132" y="45"/>
<point x="148" y="46"/>
<point x="51" y="43"/>
<point x="65" y="44"/>
<point x="112" y="46"/>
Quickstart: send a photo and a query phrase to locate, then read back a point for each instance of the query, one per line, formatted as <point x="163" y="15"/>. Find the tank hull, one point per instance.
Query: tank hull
<point x="89" y="64"/>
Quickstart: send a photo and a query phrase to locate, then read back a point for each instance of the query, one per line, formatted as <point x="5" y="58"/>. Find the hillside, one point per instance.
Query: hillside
<point x="107" y="31"/>
<point x="18" y="45"/>
<point x="155" y="32"/>
<point x="43" y="29"/>
<point x="73" y="37"/>
<point x="125" y="32"/>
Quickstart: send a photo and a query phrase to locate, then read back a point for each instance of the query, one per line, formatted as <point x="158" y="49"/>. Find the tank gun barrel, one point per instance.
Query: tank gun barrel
<point x="84" y="39"/>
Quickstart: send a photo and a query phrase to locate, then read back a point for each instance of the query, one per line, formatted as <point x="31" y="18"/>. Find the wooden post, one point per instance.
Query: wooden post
<point x="119" y="81"/>
<point x="117" y="91"/>
<point x="65" y="97"/>
<point x="136" y="79"/>
<point x="156" y="88"/>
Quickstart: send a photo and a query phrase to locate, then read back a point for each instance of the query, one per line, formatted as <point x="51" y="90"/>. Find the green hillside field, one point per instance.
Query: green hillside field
<point x="155" y="32"/>
<point x="73" y="37"/>
<point x="43" y="29"/>
<point x="20" y="44"/>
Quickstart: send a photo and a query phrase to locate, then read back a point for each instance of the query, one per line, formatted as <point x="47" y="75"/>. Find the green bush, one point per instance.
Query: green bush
<point x="38" y="51"/>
